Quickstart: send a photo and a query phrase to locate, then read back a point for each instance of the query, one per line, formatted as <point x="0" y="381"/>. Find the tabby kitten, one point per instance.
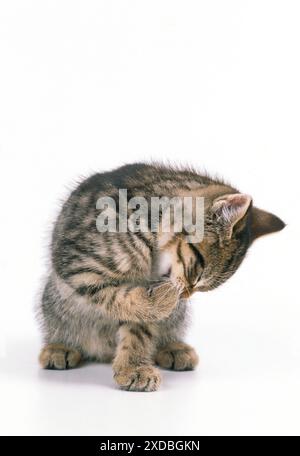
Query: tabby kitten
<point x="122" y="296"/>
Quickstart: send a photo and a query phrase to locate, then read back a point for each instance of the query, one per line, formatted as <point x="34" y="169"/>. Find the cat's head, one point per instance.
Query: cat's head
<point x="231" y="224"/>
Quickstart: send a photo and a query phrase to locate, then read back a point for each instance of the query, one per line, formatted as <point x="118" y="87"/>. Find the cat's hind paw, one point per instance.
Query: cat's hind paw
<point x="58" y="356"/>
<point x="177" y="356"/>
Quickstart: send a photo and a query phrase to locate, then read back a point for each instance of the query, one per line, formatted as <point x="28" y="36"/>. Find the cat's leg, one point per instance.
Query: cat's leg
<point x="145" y="301"/>
<point x="177" y="356"/>
<point x="62" y="312"/>
<point x="133" y="364"/>
<point x="59" y="336"/>
<point x="58" y="356"/>
<point x="152" y="301"/>
<point x="172" y="352"/>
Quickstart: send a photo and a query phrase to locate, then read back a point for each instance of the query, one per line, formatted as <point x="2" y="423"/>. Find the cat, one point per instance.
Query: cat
<point x="122" y="297"/>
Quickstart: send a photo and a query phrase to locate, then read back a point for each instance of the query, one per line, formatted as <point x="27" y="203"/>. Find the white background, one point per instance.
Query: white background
<point x="90" y="85"/>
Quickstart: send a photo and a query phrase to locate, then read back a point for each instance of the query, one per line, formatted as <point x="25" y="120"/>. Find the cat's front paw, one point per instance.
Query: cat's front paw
<point x="140" y="378"/>
<point x="177" y="356"/>
<point x="164" y="297"/>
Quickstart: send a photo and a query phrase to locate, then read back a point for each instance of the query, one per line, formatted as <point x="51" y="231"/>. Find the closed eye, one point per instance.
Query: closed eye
<point x="198" y="279"/>
<point x="196" y="266"/>
<point x="198" y="255"/>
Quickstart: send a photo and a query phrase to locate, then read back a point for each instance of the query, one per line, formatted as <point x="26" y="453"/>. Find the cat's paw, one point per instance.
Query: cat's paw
<point x="164" y="296"/>
<point x="177" y="356"/>
<point x="57" y="356"/>
<point x="141" y="378"/>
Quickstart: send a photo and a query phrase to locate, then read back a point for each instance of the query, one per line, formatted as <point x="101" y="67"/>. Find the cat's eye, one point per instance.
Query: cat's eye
<point x="198" y="279"/>
<point x="196" y="266"/>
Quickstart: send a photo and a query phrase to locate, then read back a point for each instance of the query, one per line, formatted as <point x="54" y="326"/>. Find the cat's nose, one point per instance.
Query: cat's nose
<point x="185" y="294"/>
<point x="188" y="291"/>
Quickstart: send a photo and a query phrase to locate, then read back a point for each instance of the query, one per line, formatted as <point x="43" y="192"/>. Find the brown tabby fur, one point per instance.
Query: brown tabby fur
<point x="121" y="297"/>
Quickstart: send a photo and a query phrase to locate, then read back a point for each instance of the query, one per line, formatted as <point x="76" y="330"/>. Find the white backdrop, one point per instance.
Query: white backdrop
<point x="87" y="86"/>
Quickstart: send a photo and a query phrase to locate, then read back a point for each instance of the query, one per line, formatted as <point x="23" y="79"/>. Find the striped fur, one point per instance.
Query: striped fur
<point x="122" y="297"/>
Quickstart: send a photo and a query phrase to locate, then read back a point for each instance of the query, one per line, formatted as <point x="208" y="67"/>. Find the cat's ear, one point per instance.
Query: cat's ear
<point x="263" y="223"/>
<point x="229" y="210"/>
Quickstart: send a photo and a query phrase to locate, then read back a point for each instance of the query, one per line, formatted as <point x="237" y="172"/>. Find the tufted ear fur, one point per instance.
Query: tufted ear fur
<point x="263" y="223"/>
<point x="229" y="209"/>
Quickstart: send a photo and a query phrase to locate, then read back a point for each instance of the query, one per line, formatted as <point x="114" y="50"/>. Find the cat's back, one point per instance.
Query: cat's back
<point x="142" y="176"/>
<point x="79" y="211"/>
